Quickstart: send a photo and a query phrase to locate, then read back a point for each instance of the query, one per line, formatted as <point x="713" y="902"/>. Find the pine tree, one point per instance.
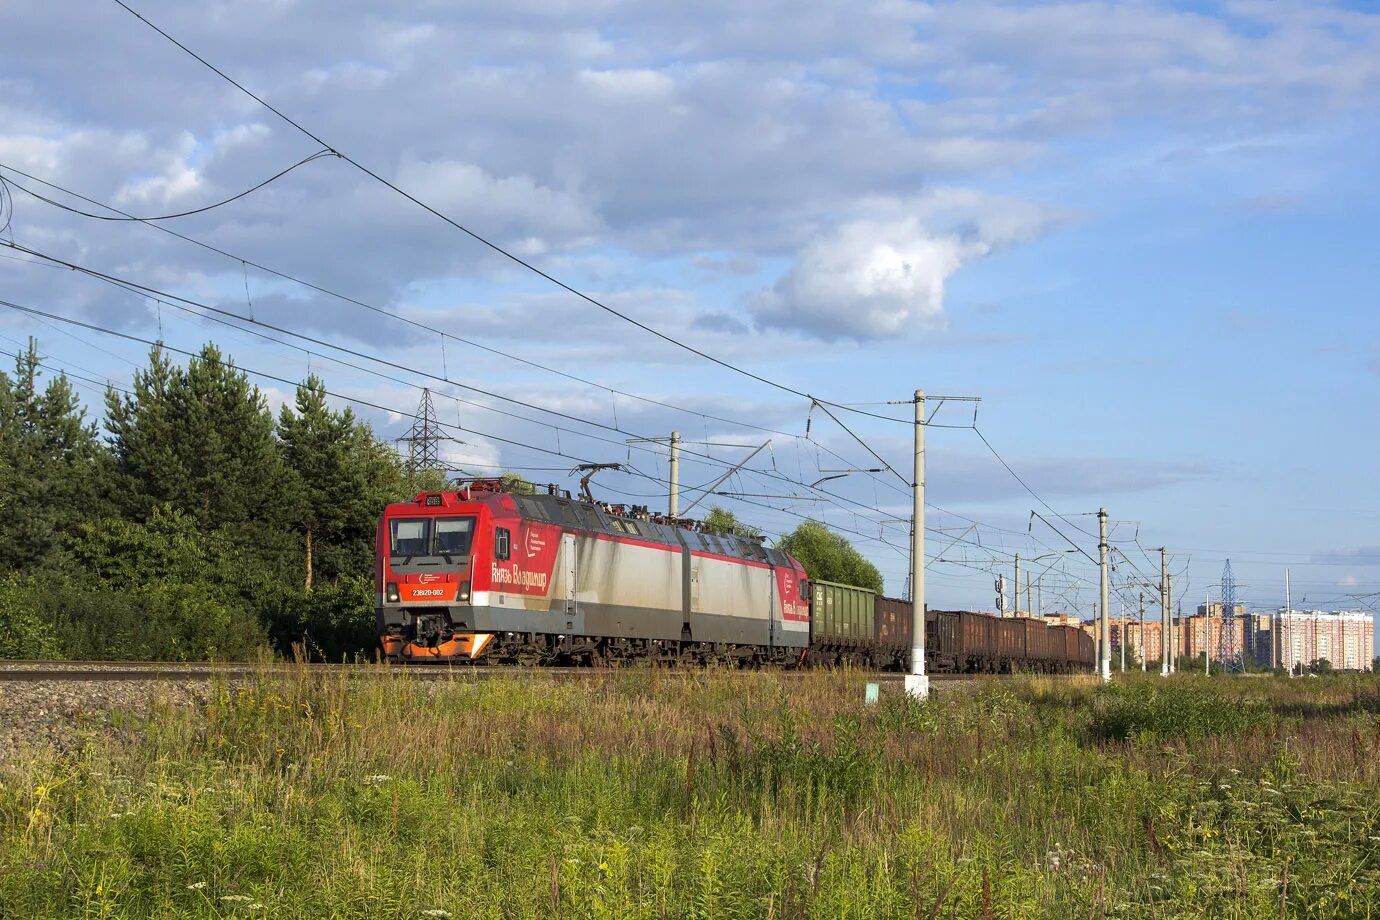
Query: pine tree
<point x="329" y="477"/>
<point x="199" y="438"/>
<point x="51" y="464"/>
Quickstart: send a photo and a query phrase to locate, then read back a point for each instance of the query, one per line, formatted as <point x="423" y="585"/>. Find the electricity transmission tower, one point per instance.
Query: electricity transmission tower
<point x="424" y="438"/>
<point x="1232" y="654"/>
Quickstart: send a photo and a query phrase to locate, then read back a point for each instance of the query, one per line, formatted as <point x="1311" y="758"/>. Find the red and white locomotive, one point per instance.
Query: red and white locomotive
<point x="531" y="578"/>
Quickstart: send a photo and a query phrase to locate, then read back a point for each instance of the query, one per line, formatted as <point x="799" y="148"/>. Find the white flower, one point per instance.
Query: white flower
<point x="377" y="778"/>
<point x="436" y="912"/>
<point x="196" y="886"/>
<point x="234" y="898"/>
<point x="255" y="906"/>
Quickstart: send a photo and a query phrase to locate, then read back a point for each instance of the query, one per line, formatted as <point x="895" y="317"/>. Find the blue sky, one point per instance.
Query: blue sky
<point x="1142" y="232"/>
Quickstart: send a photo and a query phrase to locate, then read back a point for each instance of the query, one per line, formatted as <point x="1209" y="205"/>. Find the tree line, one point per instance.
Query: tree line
<point x="193" y="523"/>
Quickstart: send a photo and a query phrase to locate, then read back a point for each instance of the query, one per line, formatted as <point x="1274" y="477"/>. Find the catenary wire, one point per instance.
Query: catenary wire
<point x="244" y="262"/>
<point x="484" y="241"/>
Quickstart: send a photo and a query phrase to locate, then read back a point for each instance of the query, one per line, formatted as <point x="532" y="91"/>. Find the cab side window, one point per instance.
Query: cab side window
<point x="503" y="543"/>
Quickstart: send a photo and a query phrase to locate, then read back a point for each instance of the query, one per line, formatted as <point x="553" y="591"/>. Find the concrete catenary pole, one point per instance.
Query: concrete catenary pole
<point x="1142" y="632"/>
<point x="1016" y="589"/>
<point x="1104" y="628"/>
<point x="1174" y="646"/>
<point x="674" y="506"/>
<point x="1164" y="613"/>
<point x="917" y="684"/>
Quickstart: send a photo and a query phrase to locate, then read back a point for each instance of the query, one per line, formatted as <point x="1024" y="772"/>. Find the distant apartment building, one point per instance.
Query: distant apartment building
<point x="1345" y="639"/>
<point x="1210" y="631"/>
<point x="1142" y="643"/>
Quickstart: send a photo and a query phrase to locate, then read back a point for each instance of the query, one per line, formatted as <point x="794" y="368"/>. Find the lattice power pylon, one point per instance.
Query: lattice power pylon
<point x="1233" y="651"/>
<point x="424" y="438"/>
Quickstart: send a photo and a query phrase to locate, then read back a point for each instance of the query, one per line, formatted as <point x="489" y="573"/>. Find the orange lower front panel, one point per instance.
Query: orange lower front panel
<point x="465" y="646"/>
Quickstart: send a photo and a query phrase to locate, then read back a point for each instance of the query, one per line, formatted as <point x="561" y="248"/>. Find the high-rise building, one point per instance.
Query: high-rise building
<point x="1345" y="639"/>
<point x="1208" y="631"/>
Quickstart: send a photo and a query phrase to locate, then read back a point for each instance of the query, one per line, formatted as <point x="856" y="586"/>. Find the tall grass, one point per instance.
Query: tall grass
<point x="646" y="794"/>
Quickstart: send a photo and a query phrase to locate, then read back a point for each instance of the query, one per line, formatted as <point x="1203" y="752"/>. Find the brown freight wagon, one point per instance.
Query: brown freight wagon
<point x="1058" y="650"/>
<point x="1087" y="650"/>
<point x="943" y="637"/>
<point x="1035" y="636"/>
<point x="977" y="642"/>
<point x="944" y="651"/>
<point x="1063" y="648"/>
<point x="1010" y="644"/>
<point x="892" y="622"/>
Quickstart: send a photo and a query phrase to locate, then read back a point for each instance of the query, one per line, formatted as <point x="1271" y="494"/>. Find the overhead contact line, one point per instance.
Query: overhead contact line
<point x="484" y="241"/>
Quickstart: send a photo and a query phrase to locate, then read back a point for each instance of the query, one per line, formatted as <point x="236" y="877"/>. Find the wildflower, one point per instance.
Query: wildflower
<point x="377" y="778"/>
<point x="1235" y="772"/>
<point x="235" y="898"/>
<point x="196" y="886"/>
<point x="255" y="906"/>
<point x="436" y="912"/>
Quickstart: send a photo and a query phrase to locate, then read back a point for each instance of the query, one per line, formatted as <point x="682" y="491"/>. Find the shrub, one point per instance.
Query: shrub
<point x="1145" y="711"/>
<point x="333" y="621"/>
<point x="24" y="630"/>
<point x="159" y="622"/>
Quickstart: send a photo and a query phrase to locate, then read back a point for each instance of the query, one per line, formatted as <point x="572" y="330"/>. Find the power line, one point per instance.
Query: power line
<point x="614" y="392"/>
<point x="1023" y="483"/>
<point x="273" y="377"/>
<point x="345" y="298"/>
<point x="235" y="319"/>
<point x="484" y="240"/>
<point x="32" y="311"/>
<point x="151" y="219"/>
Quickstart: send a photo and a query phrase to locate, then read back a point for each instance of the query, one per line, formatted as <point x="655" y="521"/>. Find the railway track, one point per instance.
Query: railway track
<point x="111" y="671"/>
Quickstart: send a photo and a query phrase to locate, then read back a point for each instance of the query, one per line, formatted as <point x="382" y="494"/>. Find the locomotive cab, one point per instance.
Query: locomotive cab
<point x="427" y="552"/>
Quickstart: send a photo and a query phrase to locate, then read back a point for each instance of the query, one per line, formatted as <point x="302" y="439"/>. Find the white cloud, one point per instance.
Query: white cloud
<point x="495" y="203"/>
<point x="884" y="276"/>
<point x="867" y="279"/>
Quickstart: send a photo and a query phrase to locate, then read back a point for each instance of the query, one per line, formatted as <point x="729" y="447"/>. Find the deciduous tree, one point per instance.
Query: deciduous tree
<point x="827" y="556"/>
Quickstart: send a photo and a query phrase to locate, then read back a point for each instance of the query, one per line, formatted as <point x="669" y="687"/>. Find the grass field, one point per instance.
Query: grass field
<point x="712" y="796"/>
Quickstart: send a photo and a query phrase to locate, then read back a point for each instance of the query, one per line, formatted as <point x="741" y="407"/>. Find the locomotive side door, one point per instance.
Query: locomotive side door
<point x="771" y="607"/>
<point x="568" y="551"/>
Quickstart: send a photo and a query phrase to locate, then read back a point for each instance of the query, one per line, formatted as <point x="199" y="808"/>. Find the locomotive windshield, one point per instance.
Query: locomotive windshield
<point x="430" y="536"/>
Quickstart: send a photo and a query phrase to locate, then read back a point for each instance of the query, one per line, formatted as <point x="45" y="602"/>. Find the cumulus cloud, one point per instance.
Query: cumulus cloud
<point x="866" y="280"/>
<point x="877" y="277"/>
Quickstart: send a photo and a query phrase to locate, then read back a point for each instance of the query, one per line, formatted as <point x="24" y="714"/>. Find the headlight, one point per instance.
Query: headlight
<point x="391" y="595"/>
<point x="464" y="593"/>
